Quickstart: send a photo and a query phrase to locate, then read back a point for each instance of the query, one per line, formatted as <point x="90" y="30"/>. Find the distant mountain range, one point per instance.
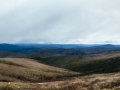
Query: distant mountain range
<point x="33" y="50"/>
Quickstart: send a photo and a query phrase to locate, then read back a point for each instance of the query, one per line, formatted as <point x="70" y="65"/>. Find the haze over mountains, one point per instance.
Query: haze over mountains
<point x="30" y="50"/>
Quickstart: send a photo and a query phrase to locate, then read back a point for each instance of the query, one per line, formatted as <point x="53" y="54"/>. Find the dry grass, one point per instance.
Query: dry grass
<point x="100" y="56"/>
<point x="17" y="74"/>
<point x="93" y="82"/>
<point x="20" y="69"/>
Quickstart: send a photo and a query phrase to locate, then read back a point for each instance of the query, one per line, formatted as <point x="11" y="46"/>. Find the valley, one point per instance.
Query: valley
<point x="59" y="67"/>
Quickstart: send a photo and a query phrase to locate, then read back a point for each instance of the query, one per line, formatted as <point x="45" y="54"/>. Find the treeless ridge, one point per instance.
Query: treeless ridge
<point x="21" y="69"/>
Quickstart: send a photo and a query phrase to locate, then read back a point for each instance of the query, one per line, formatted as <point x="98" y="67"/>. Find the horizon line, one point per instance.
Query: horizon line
<point x="68" y="43"/>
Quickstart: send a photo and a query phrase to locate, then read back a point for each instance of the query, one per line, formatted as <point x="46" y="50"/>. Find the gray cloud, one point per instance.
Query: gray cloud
<point x="59" y="21"/>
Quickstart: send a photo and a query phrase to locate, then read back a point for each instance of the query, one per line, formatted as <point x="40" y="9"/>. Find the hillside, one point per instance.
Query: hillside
<point x="87" y="64"/>
<point x="94" y="82"/>
<point x="21" y="69"/>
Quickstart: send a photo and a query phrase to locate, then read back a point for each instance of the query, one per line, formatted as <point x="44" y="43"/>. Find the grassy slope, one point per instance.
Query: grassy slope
<point x="89" y="64"/>
<point x="20" y="69"/>
<point x="93" y="82"/>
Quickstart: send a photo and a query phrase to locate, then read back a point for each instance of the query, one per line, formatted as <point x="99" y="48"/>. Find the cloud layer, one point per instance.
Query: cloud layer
<point x="59" y="21"/>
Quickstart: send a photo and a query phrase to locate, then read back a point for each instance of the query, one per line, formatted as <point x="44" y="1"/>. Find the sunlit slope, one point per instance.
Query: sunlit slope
<point x="20" y="69"/>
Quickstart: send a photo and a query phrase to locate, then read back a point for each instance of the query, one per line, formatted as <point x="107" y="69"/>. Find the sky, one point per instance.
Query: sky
<point x="60" y="21"/>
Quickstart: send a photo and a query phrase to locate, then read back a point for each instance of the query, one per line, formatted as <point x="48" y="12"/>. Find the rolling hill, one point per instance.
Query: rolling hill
<point x="28" y="70"/>
<point x="86" y="64"/>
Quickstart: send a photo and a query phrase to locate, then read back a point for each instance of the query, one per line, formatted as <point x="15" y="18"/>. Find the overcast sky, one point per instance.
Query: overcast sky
<point x="60" y="21"/>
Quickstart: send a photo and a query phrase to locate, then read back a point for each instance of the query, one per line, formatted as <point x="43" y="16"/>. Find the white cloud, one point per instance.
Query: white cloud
<point x="59" y="21"/>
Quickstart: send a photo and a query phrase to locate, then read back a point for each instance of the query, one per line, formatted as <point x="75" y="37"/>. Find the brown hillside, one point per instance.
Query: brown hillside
<point x="20" y="69"/>
<point x="93" y="82"/>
